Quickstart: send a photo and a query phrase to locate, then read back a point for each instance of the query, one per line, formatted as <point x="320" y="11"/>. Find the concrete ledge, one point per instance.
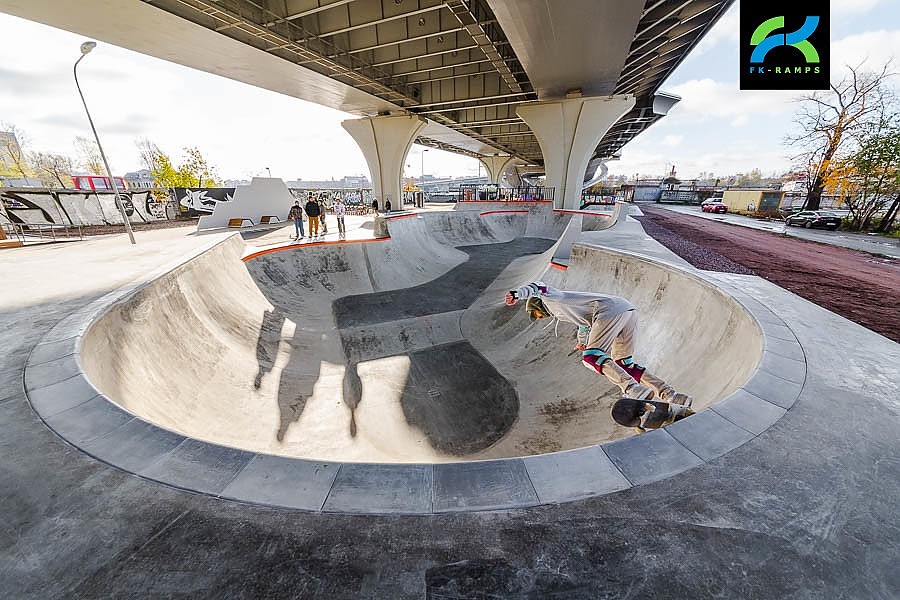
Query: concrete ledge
<point x="749" y="412"/>
<point x="572" y="475"/>
<point x="287" y="482"/>
<point x="199" y="466"/>
<point x="380" y="489"/>
<point x="63" y="397"/>
<point x="58" y="397"/>
<point x="487" y="485"/>
<point x="650" y="457"/>
<point x="134" y="446"/>
<point x="49" y="351"/>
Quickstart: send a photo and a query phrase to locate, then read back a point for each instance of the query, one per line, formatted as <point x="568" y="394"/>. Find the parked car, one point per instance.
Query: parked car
<point x="814" y="218"/>
<point x="714" y="206"/>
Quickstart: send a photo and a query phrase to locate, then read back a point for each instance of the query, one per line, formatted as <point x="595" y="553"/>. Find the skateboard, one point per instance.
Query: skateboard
<point x="647" y="414"/>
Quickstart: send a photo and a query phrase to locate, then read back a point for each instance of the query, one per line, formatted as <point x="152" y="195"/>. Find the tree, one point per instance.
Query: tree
<point x="89" y="157"/>
<point x="830" y="122"/>
<point x="878" y="163"/>
<point x="53" y="169"/>
<point x="868" y="178"/>
<point x="13" y="150"/>
<point x="194" y="172"/>
<point x="196" y="168"/>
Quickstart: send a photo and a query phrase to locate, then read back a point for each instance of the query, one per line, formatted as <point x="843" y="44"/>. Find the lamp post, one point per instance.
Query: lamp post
<point x="424" y="150"/>
<point x="270" y="172"/>
<point x="85" y="48"/>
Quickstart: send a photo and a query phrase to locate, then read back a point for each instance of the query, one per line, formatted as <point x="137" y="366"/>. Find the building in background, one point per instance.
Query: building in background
<point x="139" y="180"/>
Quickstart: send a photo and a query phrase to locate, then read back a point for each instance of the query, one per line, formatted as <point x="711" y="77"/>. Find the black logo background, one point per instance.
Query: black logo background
<point x="785" y="57"/>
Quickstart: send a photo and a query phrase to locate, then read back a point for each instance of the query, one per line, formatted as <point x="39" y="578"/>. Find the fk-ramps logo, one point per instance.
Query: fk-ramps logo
<point x="785" y="45"/>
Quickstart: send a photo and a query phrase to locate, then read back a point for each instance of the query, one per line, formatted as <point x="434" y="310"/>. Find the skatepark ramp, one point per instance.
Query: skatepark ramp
<point x="401" y="350"/>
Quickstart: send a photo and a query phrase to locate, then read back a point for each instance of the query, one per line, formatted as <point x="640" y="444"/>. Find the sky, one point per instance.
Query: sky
<point x="246" y="131"/>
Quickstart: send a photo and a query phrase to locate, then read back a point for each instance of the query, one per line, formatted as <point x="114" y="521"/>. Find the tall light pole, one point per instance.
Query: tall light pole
<point x="85" y="48"/>
<point x="270" y="172"/>
<point x="424" y="150"/>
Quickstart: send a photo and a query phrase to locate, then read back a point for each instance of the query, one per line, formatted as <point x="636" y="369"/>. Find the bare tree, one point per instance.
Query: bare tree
<point x="13" y="150"/>
<point x="89" y="156"/>
<point x="53" y="169"/>
<point x="831" y="123"/>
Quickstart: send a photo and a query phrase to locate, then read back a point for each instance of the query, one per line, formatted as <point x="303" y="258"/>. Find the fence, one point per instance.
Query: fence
<point x="495" y="193"/>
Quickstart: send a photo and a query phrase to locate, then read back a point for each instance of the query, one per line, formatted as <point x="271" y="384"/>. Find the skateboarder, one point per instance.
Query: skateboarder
<point x="607" y="327"/>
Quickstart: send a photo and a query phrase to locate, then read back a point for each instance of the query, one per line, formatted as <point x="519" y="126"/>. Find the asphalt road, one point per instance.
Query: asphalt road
<point x="856" y="285"/>
<point x="873" y="244"/>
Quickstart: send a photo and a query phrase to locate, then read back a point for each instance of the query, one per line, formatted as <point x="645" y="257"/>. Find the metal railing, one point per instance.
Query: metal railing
<point x="52" y="232"/>
<point x="495" y="193"/>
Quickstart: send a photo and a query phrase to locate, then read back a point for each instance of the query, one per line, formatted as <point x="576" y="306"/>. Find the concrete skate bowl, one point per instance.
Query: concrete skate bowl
<point x="394" y="372"/>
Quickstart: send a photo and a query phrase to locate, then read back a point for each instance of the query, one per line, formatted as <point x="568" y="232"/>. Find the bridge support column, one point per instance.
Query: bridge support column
<point x="568" y="132"/>
<point x="385" y="142"/>
<point x="496" y="166"/>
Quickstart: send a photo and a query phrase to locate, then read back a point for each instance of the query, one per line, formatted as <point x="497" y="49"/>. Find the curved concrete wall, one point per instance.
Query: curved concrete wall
<point x="281" y="356"/>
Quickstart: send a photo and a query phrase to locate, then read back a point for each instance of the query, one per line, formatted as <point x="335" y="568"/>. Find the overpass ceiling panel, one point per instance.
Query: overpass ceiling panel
<point x="575" y="44"/>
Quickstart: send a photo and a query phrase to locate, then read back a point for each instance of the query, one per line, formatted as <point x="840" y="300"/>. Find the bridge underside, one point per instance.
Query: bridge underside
<point x="464" y="65"/>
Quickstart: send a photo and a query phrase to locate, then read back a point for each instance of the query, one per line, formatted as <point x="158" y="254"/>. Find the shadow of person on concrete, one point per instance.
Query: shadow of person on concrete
<point x="267" y="344"/>
<point x="297" y="379"/>
<point x="452" y="393"/>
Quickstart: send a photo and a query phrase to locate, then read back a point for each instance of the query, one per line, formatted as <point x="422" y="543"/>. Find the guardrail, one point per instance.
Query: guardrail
<point x="495" y="193"/>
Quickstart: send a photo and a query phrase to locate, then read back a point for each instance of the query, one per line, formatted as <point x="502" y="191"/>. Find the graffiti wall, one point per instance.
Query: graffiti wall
<point x="193" y="202"/>
<point x="71" y="207"/>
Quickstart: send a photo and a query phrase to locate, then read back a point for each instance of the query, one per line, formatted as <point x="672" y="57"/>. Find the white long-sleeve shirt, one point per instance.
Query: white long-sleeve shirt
<point x="579" y="308"/>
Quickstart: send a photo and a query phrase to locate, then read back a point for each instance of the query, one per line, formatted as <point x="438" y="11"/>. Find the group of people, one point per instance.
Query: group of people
<point x="387" y="206"/>
<point x="315" y="211"/>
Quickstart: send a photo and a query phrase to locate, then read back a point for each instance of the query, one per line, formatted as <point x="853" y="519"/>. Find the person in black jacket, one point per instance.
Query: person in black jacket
<point x="296" y="215"/>
<point x="312" y="211"/>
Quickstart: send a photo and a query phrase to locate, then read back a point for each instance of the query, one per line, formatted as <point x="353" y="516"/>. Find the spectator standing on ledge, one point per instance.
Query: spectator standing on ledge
<point x="387" y="206"/>
<point x="312" y="211"/>
<point x="375" y="205"/>
<point x="322" y="211"/>
<point x="339" y="211"/>
<point x="296" y="214"/>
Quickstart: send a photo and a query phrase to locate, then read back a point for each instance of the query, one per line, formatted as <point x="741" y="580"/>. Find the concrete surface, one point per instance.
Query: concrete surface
<point x="322" y="353"/>
<point x="804" y="508"/>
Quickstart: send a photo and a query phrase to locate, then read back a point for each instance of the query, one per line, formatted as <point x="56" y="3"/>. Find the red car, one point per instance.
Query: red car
<point x="714" y="206"/>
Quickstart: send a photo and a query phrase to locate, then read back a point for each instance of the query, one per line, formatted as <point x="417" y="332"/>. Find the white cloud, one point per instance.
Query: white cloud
<point x="672" y="140"/>
<point x="871" y="49"/>
<point x="690" y="165"/>
<point x="706" y="98"/>
<point x="844" y="7"/>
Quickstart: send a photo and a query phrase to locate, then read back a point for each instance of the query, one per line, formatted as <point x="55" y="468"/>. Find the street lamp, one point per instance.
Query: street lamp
<point x="85" y="48"/>
<point x="424" y="150"/>
<point x="270" y="172"/>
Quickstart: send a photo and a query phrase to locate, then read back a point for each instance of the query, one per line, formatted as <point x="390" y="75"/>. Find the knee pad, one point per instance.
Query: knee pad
<point x="593" y="359"/>
<point x="632" y="368"/>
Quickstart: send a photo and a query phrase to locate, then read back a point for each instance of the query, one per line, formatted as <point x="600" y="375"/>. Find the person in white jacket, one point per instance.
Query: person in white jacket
<point x="607" y="327"/>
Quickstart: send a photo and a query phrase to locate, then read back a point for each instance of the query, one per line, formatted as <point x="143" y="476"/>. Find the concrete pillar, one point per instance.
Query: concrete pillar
<point x="512" y="174"/>
<point x="568" y="132"/>
<point x="385" y="142"/>
<point x="495" y="166"/>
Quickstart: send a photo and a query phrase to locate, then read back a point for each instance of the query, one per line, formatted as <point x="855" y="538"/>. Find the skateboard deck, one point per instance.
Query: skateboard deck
<point x="647" y="414"/>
